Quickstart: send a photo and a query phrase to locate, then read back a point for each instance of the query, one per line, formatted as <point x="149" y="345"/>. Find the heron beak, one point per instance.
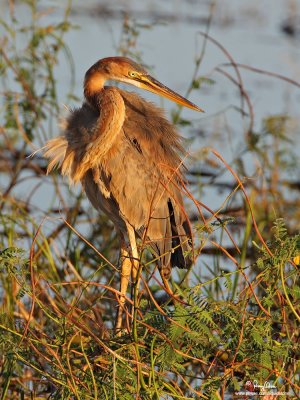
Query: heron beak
<point x="147" y="82"/>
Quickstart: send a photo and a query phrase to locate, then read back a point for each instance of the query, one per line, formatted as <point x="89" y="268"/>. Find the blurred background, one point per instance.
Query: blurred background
<point x="167" y="37"/>
<point x="238" y="61"/>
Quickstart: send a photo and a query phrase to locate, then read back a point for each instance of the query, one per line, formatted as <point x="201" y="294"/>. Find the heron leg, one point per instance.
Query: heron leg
<point x="134" y="252"/>
<point x="126" y="267"/>
<point x="129" y="266"/>
<point x="166" y="284"/>
<point x="135" y="268"/>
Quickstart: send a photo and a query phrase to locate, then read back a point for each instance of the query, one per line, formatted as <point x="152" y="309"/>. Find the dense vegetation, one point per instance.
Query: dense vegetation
<point x="236" y="314"/>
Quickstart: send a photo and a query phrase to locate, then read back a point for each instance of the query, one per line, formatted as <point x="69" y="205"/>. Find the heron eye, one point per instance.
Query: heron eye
<point x="133" y="74"/>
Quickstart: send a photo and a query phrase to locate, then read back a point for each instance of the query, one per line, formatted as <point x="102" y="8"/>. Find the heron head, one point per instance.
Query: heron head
<point x="123" y="69"/>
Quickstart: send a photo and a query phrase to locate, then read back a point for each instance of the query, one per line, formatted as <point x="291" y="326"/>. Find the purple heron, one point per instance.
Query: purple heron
<point x="127" y="156"/>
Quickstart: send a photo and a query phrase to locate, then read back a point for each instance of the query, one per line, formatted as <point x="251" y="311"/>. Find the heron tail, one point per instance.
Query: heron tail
<point x="181" y="236"/>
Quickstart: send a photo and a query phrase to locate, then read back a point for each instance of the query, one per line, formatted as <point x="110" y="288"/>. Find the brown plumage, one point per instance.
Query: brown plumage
<point x="127" y="156"/>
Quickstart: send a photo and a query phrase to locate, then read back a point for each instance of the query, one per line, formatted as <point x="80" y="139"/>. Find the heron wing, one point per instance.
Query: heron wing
<point x="154" y="176"/>
<point x="140" y="180"/>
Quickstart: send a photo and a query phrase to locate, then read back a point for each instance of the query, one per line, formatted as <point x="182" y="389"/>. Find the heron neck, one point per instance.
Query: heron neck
<point x="93" y="86"/>
<point x="106" y="134"/>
